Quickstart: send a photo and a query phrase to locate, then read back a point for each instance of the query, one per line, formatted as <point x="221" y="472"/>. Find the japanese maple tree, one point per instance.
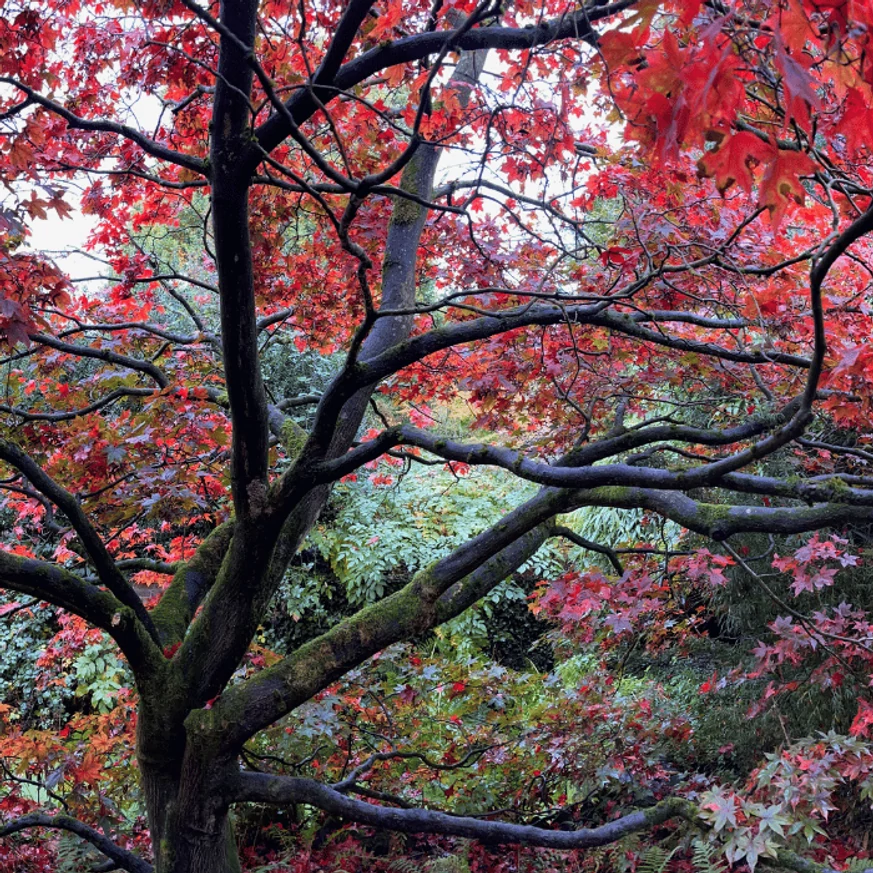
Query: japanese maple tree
<point x="631" y="238"/>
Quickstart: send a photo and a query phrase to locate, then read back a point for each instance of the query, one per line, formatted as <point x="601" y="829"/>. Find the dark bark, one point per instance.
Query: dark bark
<point x="121" y="857"/>
<point x="187" y="753"/>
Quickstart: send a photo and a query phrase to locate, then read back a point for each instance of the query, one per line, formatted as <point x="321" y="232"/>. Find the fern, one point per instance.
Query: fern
<point x="448" y="864"/>
<point x="599" y="858"/>
<point x="74" y="855"/>
<point x="404" y="865"/>
<point x="442" y="864"/>
<point x="655" y="860"/>
<point x="707" y="858"/>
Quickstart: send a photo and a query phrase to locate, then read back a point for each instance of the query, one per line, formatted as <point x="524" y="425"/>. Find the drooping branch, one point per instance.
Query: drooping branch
<point x="286" y="790"/>
<point x="590" y="546"/>
<point x="102" y="403"/>
<point x="60" y="587"/>
<point x="122" y="858"/>
<point x="96" y="550"/>
<point x="266" y="788"/>
<point x="145" y="367"/>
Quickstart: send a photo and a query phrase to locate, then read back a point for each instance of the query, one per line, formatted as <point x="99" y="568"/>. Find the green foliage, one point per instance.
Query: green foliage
<point x="99" y="674"/>
<point x="75" y="855"/>
<point x="707" y="858"/>
<point x="655" y="859"/>
<point x="454" y="863"/>
<point x="376" y="529"/>
<point x="28" y="630"/>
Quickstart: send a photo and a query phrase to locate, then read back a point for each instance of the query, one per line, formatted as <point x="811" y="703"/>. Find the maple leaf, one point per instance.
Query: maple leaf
<point x="857" y="119"/>
<point x="734" y="160"/>
<point x="89" y="771"/>
<point x="863" y="720"/>
<point x="797" y="83"/>
<point x="722" y="809"/>
<point x="781" y="186"/>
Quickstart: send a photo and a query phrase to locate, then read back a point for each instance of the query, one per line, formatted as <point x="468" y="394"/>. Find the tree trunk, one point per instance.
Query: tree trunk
<point x="190" y="828"/>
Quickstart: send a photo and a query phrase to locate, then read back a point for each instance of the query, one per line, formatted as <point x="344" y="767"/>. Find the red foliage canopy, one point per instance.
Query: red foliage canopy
<point x="627" y="241"/>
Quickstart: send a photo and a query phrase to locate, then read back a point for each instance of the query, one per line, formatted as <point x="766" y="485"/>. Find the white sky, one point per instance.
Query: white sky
<point x="67" y="234"/>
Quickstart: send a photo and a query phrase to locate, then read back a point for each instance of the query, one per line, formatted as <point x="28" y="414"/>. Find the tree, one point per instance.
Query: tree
<point x="676" y="323"/>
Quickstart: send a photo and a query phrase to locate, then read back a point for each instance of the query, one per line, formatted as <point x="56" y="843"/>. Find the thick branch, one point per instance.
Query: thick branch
<point x="191" y="582"/>
<point x="719" y="521"/>
<point x="264" y="788"/>
<point x="413" y="48"/>
<point x="564" y="475"/>
<point x="107" y="570"/>
<point x="60" y="587"/>
<point x="124" y="859"/>
<point x="434" y="595"/>
<point x="231" y="138"/>
<point x="243" y="589"/>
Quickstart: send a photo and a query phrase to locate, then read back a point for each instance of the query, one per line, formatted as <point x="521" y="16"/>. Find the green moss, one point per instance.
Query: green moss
<point x="174" y="612"/>
<point x="293" y="438"/>
<point x="613" y="494"/>
<point x="407" y="211"/>
<point x="837" y="486"/>
<point x="712" y="513"/>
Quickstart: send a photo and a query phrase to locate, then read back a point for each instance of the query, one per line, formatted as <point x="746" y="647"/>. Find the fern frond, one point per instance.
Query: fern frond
<point x="707" y="858"/>
<point x="655" y="860"/>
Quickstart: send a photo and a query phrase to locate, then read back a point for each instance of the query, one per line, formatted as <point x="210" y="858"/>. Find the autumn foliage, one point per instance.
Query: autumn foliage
<point x="601" y="271"/>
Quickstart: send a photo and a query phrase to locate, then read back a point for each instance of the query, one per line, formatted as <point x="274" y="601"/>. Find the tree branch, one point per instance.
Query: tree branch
<point x="573" y="476"/>
<point x="111" y="397"/>
<point x="60" y="587"/>
<point x="231" y="117"/>
<point x="368" y="373"/>
<point x="107" y="570"/>
<point x="282" y="790"/>
<point x="560" y="530"/>
<point x="124" y="859"/>
<point x="191" y="583"/>
<point x="146" y="367"/>
<point x="149" y="146"/>
<point x="304" y="103"/>
<point x="242" y="590"/>
<point x="265" y="788"/>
